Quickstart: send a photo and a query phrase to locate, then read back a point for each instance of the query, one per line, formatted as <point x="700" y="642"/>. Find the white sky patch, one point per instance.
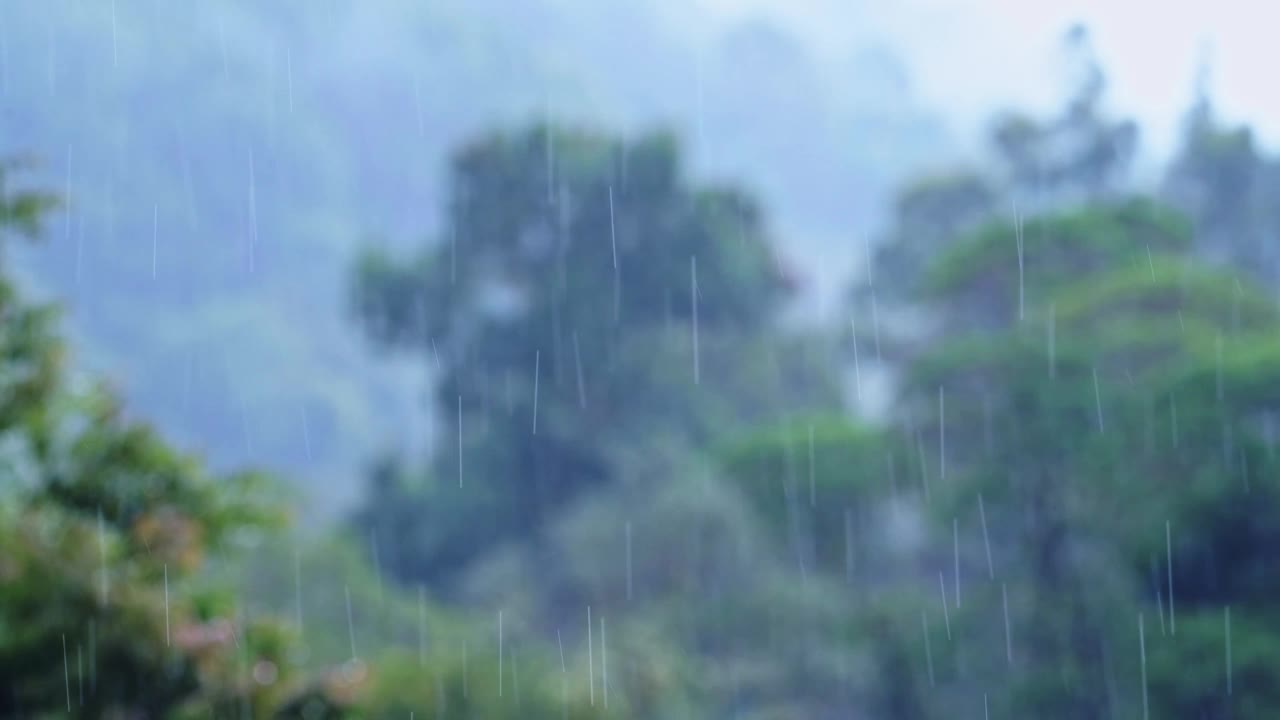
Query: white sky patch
<point x="971" y="57"/>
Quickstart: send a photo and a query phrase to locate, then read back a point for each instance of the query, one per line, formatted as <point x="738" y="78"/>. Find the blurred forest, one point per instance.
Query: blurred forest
<point x="647" y="491"/>
<point x="237" y="159"/>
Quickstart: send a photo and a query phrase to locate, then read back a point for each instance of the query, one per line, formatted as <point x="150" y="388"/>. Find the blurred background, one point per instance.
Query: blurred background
<point x="714" y="359"/>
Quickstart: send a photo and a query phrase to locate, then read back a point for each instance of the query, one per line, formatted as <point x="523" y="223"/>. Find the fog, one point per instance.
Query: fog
<point x="642" y="358"/>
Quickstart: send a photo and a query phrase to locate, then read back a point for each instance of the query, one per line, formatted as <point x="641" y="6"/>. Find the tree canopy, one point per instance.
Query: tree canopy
<point x="584" y="294"/>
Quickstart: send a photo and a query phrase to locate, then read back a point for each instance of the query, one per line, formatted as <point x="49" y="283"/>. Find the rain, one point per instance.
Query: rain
<point x="841" y="304"/>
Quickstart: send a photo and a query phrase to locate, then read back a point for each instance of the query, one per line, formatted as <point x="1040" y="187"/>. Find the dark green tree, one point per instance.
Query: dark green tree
<point x="1105" y="412"/>
<point x="584" y="297"/>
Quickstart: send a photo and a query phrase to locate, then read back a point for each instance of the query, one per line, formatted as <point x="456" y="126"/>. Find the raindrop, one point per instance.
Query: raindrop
<point x="928" y="650"/>
<point x="942" y="436"/>
<point x="591" y="662"/>
<point x="955" y="538"/>
<point x="297" y="589"/>
<point x="66" y="670"/>
<point x="988" y="437"/>
<point x="986" y="540"/>
<point x="577" y="361"/>
<point x="1053" y="341"/>
<point x="867" y="262"/>
<point x="422" y="627"/>
<point x="564" y="677"/>
<point x="604" y="664"/>
<point x="812" y="487"/>
<point x="875" y="324"/>
<point x="1218" y="351"/>
<point x="306" y="432"/>
<point x="537" y="360"/>
<point x="693" y="292"/>
<point x="946" y="616"/>
<point x="924" y="474"/>
<point x="627" y="531"/>
<point x="166" y="604"/>
<point x="102" y="553"/>
<point x="1142" y="648"/>
<point x="115" y="46"/>
<point x="848" y="546"/>
<point x="1226" y="622"/>
<point x="1168" y="546"/>
<point x="857" y="368"/>
<point x="1097" y="396"/>
<point x="459" y="440"/>
<point x="549" y="148"/>
<point x="1008" y="634"/>
<point x="351" y="626"/>
<point x="1017" y="220"/>
<point x="613" y="232"/>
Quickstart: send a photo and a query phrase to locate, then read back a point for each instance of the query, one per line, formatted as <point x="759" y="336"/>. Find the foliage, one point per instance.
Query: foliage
<point x="105" y="528"/>
<point x="126" y="588"/>
<point x="560" y="320"/>
<point x="1225" y="181"/>
<point x="820" y="483"/>
<point x="1087" y="398"/>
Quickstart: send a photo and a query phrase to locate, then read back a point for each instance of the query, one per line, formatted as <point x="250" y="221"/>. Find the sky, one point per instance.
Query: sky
<point x="970" y="56"/>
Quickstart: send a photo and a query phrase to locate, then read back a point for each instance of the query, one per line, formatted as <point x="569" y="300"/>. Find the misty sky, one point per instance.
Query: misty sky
<point x="969" y="56"/>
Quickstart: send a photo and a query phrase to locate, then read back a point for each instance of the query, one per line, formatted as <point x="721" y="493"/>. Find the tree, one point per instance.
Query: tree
<point x="1079" y="155"/>
<point x="1222" y="179"/>
<point x="1097" y="399"/>
<point x="584" y="296"/>
<point x="102" y="613"/>
<point x="1076" y="156"/>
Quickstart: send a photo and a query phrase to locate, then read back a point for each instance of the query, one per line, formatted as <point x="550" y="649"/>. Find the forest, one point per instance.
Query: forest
<point x="642" y="487"/>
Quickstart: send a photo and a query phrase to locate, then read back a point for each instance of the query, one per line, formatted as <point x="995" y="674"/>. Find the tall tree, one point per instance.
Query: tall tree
<point x="1226" y="183"/>
<point x="102" y="613"/>
<point x="584" y="295"/>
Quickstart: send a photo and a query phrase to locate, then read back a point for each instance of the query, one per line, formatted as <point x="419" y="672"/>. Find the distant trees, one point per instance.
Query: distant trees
<point x="1223" y="179"/>
<point x="1090" y="401"/>
<point x="1080" y="154"/>
<point x="1078" y="452"/>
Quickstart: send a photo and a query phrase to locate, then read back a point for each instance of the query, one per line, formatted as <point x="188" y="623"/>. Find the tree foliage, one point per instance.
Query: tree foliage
<point x="103" y="612"/>
<point x="584" y="294"/>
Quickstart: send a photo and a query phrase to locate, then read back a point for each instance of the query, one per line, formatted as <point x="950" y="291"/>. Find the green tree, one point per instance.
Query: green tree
<point x="1080" y="154"/>
<point x="584" y="296"/>
<point x="102" y="612"/>
<point x="1088" y="389"/>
